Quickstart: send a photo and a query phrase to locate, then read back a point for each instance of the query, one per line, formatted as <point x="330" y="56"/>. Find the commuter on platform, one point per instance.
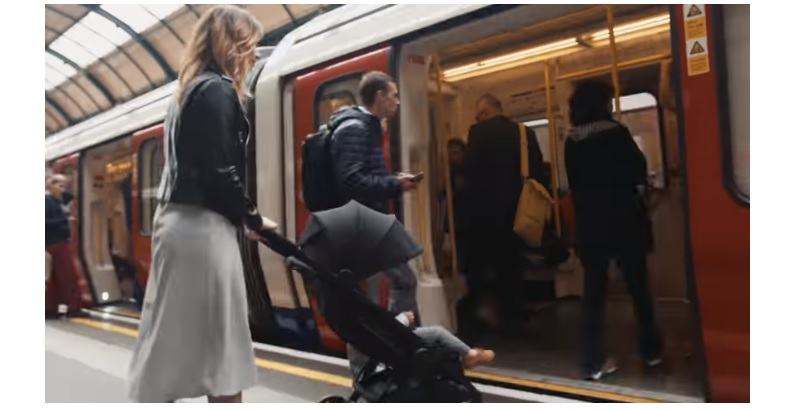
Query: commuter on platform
<point x="194" y="337"/>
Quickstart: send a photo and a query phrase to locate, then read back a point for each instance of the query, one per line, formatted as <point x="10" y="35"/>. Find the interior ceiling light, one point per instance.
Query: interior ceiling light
<point x="623" y="32"/>
<point x="511" y="60"/>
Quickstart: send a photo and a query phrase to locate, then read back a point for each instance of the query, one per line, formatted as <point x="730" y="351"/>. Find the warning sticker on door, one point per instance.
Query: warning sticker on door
<point x="697" y="47"/>
<point x="695" y="28"/>
<point x="696" y="36"/>
<point x="694" y="10"/>
<point x="697" y="56"/>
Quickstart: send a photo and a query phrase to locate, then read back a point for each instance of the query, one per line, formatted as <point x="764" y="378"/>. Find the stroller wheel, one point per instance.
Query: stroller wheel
<point x="333" y="399"/>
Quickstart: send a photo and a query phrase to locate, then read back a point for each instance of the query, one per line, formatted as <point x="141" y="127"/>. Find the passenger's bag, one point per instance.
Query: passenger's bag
<point x="535" y="205"/>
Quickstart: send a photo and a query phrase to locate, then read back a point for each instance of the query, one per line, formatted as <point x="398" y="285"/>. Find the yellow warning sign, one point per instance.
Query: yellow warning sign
<point x="695" y="28"/>
<point x="697" y="48"/>
<point x="697" y="64"/>
<point x="693" y="11"/>
<point x="696" y="36"/>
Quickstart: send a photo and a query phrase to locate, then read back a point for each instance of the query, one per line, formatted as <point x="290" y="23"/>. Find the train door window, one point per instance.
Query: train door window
<point x="640" y="115"/>
<point x="335" y="94"/>
<point x="151" y="165"/>
<point x="736" y="23"/>
<point x="542" y="136"/>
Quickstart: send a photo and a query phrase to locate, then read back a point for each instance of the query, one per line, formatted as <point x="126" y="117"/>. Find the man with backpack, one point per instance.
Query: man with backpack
<point x="344" y="160"/>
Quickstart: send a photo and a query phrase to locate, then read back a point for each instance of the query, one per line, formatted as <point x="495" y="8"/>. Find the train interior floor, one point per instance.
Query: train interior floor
<point x="547" y="349"/>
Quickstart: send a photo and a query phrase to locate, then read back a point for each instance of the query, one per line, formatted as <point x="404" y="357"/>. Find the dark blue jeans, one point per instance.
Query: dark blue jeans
<point x="634" y="270"/>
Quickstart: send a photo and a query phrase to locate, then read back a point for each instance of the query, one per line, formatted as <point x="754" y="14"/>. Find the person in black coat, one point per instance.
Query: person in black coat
<point x="493" y="185"/>
<point x="607" y="175"/>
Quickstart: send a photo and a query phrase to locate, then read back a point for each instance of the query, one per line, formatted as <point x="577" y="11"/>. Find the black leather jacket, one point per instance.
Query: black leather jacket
<point x="205" y="142"/>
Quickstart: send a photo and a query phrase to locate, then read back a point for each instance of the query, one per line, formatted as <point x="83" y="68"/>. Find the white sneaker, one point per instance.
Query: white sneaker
<point x="610" y="367"/>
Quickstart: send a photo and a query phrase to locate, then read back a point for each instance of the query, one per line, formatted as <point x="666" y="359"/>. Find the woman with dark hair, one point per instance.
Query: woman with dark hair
<point x="194" y="338"/>
<point x="607" y="175"/>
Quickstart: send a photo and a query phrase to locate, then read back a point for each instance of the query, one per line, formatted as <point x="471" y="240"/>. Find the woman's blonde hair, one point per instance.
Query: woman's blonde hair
<point x="225" y="36"/>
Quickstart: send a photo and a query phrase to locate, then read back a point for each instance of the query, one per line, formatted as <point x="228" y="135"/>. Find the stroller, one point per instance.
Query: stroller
<point x="338" y="249"/>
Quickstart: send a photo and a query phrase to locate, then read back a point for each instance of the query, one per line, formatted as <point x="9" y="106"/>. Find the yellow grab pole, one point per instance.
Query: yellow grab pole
<point x="443" y="147"/>
<point x="614" y="66"/>
<point x="551" y="128"/>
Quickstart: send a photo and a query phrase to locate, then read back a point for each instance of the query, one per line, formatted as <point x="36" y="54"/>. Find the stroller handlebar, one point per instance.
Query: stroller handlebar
<point x="296" y="264"/>
<point x="278" y="243"/>
<point x="295" y="260"/>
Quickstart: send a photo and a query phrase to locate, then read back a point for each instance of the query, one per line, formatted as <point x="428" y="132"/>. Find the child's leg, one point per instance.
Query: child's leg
<point x="439" y="335"/>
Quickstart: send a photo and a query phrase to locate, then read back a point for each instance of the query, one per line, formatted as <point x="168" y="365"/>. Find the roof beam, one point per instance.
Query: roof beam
<point x="60" y="109"/>
<point x="166" y="26"/>
<point x="168" y="71"/>
<point x="193" y="10"/>
<point x="118" y="48"/>
<point x="72" y="99"/>
<point x="97" y="83"/>
<point x="105" y="62"/>
<point x="72" y="80"/>
<point x="291" y="15"/>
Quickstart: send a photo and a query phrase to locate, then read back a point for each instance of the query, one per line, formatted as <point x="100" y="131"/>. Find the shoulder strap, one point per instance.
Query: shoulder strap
<point x="523" y="152"/>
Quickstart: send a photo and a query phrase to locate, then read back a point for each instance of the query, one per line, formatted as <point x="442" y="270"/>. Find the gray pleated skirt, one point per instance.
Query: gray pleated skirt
<point x="194" y="337"/>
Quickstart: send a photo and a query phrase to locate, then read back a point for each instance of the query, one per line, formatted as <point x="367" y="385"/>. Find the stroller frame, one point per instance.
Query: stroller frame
<point x="412" y="371"/>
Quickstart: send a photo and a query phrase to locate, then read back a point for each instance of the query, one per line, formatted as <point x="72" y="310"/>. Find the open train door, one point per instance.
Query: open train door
<point x="148" y="161"/>
<point x="713" y="84"/>
<point x="317" y="94"/>
<point x="69" y="166"/>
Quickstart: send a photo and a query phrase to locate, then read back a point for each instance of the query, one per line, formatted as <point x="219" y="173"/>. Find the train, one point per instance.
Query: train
<point x="681" y="75"/>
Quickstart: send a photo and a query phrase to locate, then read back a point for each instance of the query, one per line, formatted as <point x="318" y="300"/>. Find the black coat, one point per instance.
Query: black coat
<point x="492" y="172"/>
<point x="56" y="224"/>
<point x="606" y="169"/>
<point x="358" y="160"/>
<point x="206" y="151"/>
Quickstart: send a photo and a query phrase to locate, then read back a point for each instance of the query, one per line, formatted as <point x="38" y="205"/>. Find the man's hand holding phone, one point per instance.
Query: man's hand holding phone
<point x="408" y="181"/>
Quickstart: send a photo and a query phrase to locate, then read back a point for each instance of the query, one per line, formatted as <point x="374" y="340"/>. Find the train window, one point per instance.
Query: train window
<point x="150" y="167"/>
<point x="736" y="68"/>
<point x="640" y="115"/>
<point x="334" y="95"/>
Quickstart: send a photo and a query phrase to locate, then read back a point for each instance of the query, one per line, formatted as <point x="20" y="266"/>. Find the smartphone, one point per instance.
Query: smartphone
<point x="418" y="176"/>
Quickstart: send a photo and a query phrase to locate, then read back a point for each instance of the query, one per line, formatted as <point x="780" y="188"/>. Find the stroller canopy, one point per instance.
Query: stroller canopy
<point x="356" y="238"/>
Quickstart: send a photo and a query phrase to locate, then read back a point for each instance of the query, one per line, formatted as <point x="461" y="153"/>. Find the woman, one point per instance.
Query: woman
<point x="194" y="337"/>
<point x="607" y="174"/>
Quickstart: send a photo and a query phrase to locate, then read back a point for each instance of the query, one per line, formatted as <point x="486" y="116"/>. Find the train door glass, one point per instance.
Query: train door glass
<point x="736" y="21"/>
<point x="334" y="95"/>
<point x="151" y="165"/>
<point x="640" y="115"/>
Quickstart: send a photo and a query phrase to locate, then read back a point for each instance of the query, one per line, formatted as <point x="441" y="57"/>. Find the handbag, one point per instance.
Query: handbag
<point x="535" y="205"/>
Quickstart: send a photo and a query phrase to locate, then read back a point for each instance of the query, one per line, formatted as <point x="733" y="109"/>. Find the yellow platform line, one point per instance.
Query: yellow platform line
<point x="560" y="388"/>
<point x="346" y="382"/>
<point x="262" y="363"/>
<point x="105" y="326"/>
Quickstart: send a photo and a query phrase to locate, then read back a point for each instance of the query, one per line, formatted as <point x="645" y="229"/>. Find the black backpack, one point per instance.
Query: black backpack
<point x="318" y="174"/>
